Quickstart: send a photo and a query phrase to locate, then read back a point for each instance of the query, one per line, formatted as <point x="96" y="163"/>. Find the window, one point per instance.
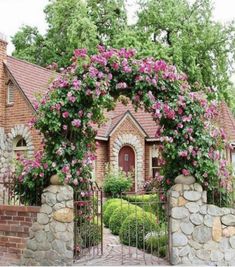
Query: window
<point x="233" y="161"/>
<point x="20" y="146"/>
<point x="10" y="93"/>
<point x="154" y="161"/>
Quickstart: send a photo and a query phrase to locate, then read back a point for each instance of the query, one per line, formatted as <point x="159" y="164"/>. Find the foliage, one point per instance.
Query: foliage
<point x="89" y="235"/>
<point x="71" y="24"/>
<point x="116" y="181"/>
<point x="109" y="211"/>
<point x="148" y="202"/>
<point x="156" y="242"/>
<point x="120" y="214"/>
<point x="75" y="101"/>
<point x="186" y="35"/>
<point x="178" y="31"/>
<point x="135" y="227"/>
<point x="32" y="179"/>
<point x="111" y="200"/>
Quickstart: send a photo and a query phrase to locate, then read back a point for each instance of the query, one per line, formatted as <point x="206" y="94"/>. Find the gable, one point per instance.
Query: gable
<point x="127" y="123"/>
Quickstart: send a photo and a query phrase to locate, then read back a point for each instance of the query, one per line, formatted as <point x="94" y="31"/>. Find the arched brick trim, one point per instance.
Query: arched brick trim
<point x="134" y="142"/>
<point x="23" y="131"/>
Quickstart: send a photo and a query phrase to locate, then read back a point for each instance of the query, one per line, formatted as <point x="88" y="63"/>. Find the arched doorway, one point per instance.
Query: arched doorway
<point x="126" y="161"/>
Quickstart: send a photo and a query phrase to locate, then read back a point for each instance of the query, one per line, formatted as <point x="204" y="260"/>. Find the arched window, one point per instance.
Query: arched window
<point x="20" y="146"/>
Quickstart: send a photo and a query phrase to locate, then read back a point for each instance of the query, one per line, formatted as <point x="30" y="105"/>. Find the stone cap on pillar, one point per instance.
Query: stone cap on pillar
<point x="182" y="179"/>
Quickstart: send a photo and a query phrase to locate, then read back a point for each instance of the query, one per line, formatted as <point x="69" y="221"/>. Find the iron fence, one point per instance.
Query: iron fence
<point x="144" y="235"/>
<point x="14" y="193"/>
<point x="88" y="222"/>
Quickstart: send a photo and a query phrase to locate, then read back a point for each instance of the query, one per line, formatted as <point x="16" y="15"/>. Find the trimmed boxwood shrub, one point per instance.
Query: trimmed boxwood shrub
<point x="156" y="243"/>
<point x="148" y="202"/>
<point x="110" y="209"/>
<point x="109" y="201"/>
<point x="120" y="214"/>
<point x="135" y="227"/>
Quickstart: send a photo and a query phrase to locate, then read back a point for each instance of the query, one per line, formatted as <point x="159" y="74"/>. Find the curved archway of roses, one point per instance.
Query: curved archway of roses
<point x="76" y="101"/>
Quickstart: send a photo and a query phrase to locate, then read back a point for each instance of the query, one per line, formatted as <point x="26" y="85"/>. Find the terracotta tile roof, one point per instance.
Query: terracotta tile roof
<point x="144" y="119"/>
<point x="226" y="120"/>
<point x="34" y="79"/>
<point x="31" y="78"/>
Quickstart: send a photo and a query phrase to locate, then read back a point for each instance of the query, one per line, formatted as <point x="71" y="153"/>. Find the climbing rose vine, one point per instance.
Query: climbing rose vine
<point x="68" y="114"/>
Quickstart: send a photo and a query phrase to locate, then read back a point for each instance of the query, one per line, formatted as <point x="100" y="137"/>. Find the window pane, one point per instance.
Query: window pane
<point x="154" y="162"/>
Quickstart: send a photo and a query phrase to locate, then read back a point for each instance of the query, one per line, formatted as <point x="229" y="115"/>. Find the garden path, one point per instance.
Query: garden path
<point x="117" y="254"/>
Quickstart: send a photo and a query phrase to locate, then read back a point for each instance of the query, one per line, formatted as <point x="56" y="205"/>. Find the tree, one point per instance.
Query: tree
<point x="71" y="24"/>
<point x="186" y="35"/>
<point x="183" y="34"/>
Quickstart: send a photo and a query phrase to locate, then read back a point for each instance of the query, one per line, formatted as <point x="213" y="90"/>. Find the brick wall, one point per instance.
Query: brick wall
<point x="3" y="47"/>
<point x="15" y="222"/>
<point x="102" y="153"/>
<point x="21" y="112"/>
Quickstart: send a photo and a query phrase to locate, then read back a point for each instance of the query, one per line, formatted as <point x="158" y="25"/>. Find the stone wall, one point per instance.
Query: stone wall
<point x="51" y="237"/>
<point x="200" y="234"/>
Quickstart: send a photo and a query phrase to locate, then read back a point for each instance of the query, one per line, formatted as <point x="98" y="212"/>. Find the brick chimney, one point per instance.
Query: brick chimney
<point x="3" y="57"/>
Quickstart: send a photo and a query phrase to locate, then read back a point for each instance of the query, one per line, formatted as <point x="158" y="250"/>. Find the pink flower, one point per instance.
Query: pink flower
<point x="41" y="174"/>
<point x="183" y="154"/>
<point x="75" y="181"/>
<point x="80" y="53"/>
<point x="187" y="118"/>
<point x="65" y="114"/>
<point x="185" y="172"/>
<point x="77" y="84"/>
<point x="45" y="166"/>
<point x="76" y="123"/>
<point x="121" y="85"/>
<point x="65" y="127"/>
<point x="65" y="169"/>
<point x="80" y="113"/>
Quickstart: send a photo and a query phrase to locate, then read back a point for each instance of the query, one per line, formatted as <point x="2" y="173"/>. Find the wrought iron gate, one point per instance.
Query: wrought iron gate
<point x="88" y="222"/>
<point x="137" y="236"/>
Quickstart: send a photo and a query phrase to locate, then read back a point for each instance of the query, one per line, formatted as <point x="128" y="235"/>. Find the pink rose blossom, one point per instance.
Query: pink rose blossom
<point x="185" y="172"/>
<point x="65" y="114"/>
<point x="76" y="123"/>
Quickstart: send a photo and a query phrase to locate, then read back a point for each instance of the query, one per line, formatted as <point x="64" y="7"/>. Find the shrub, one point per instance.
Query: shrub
<point x="89" y="235"/>
<point x="116" y="182"/>
<point x="148" y="202"/>
<point x="109" y="211"/>
<point x="156" y="242"/>
<point x="135" y="227"/>
<point x="109" y="201"/>
<point x="119" y="215"/>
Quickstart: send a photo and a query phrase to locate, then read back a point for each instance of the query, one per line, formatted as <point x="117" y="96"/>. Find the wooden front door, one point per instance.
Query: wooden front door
<point x="126" y="161"/>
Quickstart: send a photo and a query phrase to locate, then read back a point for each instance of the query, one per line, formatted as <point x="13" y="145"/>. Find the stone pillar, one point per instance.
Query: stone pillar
<point x="51" y="239"/>
<point x="199" y="233"/>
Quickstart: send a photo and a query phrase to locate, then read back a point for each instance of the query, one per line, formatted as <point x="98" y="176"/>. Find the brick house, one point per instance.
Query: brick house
<point x="127" y="139"/>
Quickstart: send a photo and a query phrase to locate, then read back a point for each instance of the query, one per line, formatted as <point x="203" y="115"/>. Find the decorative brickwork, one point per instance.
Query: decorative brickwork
<point x="134" y="142"/>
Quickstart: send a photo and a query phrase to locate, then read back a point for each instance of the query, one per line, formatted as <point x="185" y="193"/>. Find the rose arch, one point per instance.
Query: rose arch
<point x="76" y="100"/>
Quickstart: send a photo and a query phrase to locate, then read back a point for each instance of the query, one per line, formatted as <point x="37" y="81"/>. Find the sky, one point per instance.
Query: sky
<point x="16" y="13"/>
